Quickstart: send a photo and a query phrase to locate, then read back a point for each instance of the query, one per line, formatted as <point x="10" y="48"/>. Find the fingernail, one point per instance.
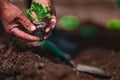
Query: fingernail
<point x="33" y="28"/>
<point x="45" y="37"/>
<point x="47" y="30"/>
<point x="53" y="21"/>
<point x="53" y="26"/>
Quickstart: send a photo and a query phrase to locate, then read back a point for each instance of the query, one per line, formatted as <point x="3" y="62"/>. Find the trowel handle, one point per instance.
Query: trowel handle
<point x="55" y="50"/>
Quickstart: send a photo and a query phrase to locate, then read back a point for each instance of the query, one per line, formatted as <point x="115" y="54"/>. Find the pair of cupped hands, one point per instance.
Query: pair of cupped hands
<point x="15" y="20"/>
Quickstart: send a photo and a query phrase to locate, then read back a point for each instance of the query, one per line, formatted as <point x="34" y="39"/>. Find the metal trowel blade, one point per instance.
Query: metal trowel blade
<point x="90" y="69"/>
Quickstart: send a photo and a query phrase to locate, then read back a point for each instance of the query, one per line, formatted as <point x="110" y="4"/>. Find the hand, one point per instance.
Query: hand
<point x="16" y="23"/>
<point x="52" y="22"/>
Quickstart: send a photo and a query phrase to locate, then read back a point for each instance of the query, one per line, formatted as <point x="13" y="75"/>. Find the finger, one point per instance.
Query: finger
<point x="26" y="23"/>
<point x="35" y="17"/>
<point x="53" y="22"/>
<point x="23" y="35"/>
<point x="47" y="35"/>
<point x="43" y="2"/>
<point x="47" y="30"/>
<point x="10" y="27"/>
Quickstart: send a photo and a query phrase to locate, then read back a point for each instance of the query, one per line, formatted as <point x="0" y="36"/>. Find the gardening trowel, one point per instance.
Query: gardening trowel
<point x="80" y="67"/>
<point x="55" y="50"/>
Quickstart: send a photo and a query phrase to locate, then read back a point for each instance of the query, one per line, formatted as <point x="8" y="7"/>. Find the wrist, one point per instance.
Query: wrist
<point x="3" y="4"/>
<point x="3" y="1"/>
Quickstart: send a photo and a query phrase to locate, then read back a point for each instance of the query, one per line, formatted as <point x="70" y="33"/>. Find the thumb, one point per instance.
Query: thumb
<point x="26" y="23"/>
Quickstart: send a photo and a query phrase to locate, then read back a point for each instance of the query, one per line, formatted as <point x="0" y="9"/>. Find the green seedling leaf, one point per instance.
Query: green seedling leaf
<point x="28" y="13"/>
<point x="69" y="23"/>
<point x="114" y="24"/>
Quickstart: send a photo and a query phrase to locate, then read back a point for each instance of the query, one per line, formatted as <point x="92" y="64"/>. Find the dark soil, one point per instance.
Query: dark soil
<point x="18" y="62"/>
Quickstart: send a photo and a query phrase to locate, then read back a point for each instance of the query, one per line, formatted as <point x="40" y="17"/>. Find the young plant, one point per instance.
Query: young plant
<point x="40" y="11"/>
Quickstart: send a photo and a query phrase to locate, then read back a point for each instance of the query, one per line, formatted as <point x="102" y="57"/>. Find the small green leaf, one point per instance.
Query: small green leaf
<point x="48" y="15"/>
<point x="28" y="13"/>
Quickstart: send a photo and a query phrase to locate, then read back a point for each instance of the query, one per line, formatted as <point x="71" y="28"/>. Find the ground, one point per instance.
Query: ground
<point x="17" y="63"/>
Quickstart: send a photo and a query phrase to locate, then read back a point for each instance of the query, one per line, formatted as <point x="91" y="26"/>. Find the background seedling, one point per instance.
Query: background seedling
<point x="69" y="23"/>
<point x="88" y="32"/>
<point x="113" y="24"/>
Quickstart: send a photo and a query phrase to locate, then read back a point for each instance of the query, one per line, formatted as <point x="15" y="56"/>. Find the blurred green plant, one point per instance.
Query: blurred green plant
<point x="88" y="32"/>
<point x="114" y="24"/>
<point x="69" y="23"/>
<point x="118" y="3"/>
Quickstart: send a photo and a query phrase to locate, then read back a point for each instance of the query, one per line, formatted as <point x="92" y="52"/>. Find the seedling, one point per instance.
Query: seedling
<point x="88" y="31"/>
<point x="41" y="13"/>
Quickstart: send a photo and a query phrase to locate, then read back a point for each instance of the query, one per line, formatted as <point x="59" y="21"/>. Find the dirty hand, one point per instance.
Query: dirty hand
<point x="15" y="22"/>
<point x="52" y="22"/>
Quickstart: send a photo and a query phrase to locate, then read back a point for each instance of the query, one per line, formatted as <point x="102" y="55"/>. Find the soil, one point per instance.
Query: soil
<point x="19" y="62"/>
